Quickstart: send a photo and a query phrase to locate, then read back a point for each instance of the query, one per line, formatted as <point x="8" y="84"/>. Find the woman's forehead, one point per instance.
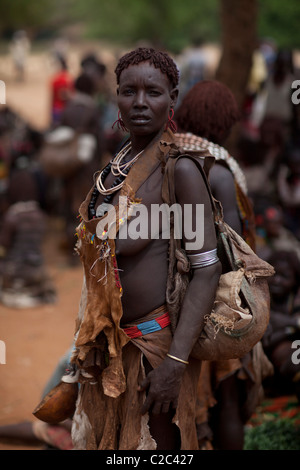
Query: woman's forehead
<point x="145" y="72"/>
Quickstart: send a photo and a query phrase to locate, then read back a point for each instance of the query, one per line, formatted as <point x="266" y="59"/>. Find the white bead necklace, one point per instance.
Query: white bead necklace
<point x="118" y="169"/>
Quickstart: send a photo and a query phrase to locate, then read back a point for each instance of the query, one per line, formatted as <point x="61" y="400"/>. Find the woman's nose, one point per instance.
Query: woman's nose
<point x="140" y="99"/>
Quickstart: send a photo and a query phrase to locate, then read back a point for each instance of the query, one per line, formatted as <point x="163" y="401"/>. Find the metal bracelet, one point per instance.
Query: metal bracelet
<point x="200" y="260"/>
<point x="177" y="359"/>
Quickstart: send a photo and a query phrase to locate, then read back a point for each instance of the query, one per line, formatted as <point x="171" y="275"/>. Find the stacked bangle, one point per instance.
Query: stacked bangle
<point x="177" y="359"/>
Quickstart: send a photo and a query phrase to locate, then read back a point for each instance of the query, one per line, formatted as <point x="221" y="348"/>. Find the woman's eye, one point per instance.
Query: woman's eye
<point x="154" y="93"/>
<point x="128" y="92"/>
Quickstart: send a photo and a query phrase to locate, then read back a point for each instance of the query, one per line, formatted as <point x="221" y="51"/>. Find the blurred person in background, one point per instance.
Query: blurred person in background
<point x="228" y="392"/>
<point x="193" y="65"/>
<point x="19" y="49"/>
<point x="92" y="66"/>
<point x="260" y="159"/>
<point x="61" y="88"/>
<point x="111" y="138"/>
<point x="205" y="120"/>
<point x="288" y="187"/>
<point x="271" y="233"/>
<point x="284" y="326"/>
<point x="23" y="275"/>
<point x="278" y="89"/>
<point x="83" y="115"/>
<point x="18" y="138"/>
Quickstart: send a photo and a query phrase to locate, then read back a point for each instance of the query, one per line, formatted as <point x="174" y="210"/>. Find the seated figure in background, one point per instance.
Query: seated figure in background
<point x="284" y="327"/>
<point x="24" y="278"/>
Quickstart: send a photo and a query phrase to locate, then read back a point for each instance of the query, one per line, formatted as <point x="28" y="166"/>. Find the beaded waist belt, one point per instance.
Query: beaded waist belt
<point x="149" y="326"/>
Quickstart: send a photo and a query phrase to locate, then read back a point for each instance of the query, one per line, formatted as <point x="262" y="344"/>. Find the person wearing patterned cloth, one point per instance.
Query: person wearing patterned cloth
<point x="229" y="390"/>
<point x="205" y="119"/>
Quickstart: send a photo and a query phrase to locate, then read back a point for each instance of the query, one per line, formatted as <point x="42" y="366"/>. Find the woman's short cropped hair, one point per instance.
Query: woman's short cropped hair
<point x="160" y="60"/>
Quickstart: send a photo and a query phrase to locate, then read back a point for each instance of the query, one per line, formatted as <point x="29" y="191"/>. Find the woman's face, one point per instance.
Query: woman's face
<point x="145" y="97"/>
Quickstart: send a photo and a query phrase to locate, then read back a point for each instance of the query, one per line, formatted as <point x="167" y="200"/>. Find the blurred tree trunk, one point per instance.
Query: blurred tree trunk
<point x="238" y="24"/>
<point x="239" y="40"/>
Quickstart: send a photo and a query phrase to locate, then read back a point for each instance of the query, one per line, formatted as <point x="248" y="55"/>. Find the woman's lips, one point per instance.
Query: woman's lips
<point x="140" y="120"/>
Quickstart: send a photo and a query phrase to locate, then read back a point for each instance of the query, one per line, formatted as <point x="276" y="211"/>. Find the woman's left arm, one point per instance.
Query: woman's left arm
<point x="198" y="236"/>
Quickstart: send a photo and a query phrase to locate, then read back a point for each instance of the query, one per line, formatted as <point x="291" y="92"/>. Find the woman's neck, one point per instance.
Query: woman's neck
<point x="139" y="143"/>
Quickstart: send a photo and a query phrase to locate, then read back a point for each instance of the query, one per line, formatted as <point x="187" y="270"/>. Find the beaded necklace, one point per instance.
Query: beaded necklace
<point x="117" y="168"/>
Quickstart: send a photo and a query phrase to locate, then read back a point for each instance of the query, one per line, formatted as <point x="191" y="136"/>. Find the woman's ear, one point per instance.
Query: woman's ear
<point x="174" y="96"/>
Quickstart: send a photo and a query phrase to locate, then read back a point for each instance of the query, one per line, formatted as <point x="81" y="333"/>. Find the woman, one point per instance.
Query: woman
<point x="205" y="120"/>
<point x="134" y="383"/>
<point x="284" y="325"/>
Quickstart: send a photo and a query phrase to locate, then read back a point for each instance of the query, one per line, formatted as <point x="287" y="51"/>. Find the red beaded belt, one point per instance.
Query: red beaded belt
<point x="149" y="326"/>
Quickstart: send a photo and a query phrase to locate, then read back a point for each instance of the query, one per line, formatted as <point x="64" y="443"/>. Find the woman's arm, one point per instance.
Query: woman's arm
<point x="164" y="382"/>
<point x="223" y="189"/>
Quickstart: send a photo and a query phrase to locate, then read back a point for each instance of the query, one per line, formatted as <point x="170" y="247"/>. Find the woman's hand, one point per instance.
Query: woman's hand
<point x="163" y="386"/>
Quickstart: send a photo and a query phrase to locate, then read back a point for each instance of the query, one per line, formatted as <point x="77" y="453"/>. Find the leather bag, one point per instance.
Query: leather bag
<point x="241" y="308"/>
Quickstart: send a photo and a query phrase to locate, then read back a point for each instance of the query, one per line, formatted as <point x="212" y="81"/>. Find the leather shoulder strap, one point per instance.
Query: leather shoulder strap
<point x="204" y="164"/>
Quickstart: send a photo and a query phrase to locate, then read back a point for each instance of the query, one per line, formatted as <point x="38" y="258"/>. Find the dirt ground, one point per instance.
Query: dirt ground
<point x="35" y="338"/>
